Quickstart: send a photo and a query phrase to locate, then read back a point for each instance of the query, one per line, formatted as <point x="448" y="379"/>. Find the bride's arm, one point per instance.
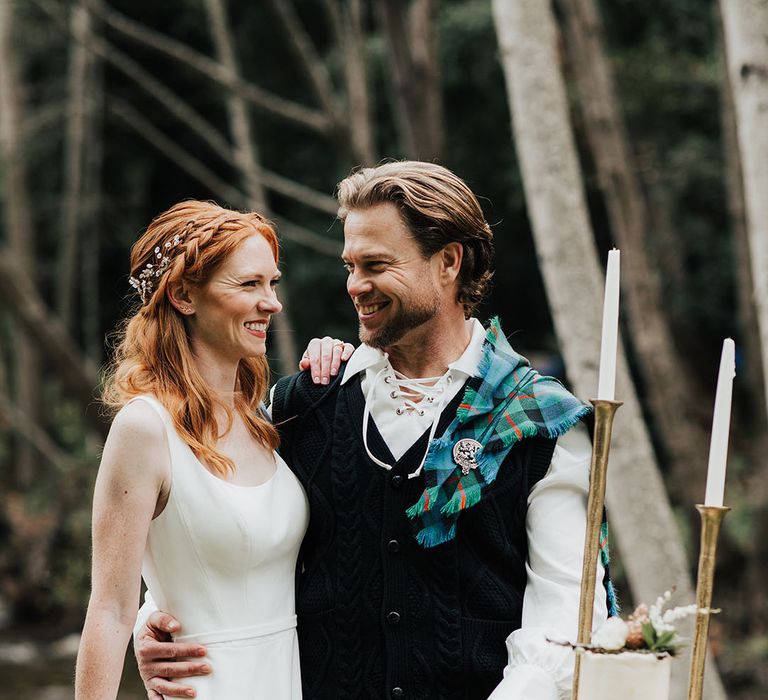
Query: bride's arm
<point x="134" y="471"/>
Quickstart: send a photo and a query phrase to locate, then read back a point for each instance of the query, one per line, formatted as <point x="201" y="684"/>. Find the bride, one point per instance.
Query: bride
<point x="190" y="493"/>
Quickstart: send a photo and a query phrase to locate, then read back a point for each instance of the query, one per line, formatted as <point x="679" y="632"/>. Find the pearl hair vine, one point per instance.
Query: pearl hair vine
<point x="144" y="284"/>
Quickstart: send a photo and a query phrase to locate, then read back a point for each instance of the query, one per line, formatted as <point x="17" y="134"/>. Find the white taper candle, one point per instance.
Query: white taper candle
<point x="721" y="423"/>
<point x="606" y="386"/>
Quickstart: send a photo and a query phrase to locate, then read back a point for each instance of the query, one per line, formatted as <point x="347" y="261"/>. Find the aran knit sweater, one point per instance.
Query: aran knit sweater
<point x="378" y="615"/>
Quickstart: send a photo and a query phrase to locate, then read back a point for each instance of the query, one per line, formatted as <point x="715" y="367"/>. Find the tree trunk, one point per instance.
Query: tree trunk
<point x="93" y="340"/>
<point x="181" y="109"/>
<point x="78" y="264"/>
<point x="247" y="160"/>
<point x="19" y="230"/>
<point x="133" y="119"/>
<point x="672" y="264"/>
<point x="349" y="34"/>
<point x="683" y="436"/>
<point x="261" y="99"/>
<point x="22" y="302"/>
<point x="751" y="367"/>
<point x="410" y="33"/>
<point x="74" y="160"/>
<point x="640" y="512"/>
<point x="316" y="74"/>
<point x="746" y="44"/>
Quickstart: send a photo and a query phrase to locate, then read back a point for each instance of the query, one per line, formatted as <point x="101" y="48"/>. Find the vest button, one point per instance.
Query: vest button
<point x="393" y="546"/>
<point x="393" y="618"/>
<point x="397" y="481"/>
<point x="397" y="692"/>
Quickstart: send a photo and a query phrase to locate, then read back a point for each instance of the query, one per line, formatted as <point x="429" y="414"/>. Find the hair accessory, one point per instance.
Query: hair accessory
<point x="145" y="283"/>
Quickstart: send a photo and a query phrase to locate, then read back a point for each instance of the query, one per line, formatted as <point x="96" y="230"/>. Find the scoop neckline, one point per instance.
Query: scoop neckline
<point x="169" y="425"/>
<point x="229" y="483"/>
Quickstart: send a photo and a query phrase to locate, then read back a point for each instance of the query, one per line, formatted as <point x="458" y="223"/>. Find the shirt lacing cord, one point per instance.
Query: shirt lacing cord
<point x="414" y="392"/>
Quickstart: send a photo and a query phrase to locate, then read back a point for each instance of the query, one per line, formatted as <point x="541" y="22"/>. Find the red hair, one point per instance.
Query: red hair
<point x="153" y="354"/>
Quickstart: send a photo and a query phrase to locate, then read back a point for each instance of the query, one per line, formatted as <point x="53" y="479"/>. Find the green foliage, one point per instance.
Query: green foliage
<point x="660" y="643"/>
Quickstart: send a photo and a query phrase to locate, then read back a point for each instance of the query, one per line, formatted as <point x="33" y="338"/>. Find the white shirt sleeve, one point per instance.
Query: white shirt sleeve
<point x="555" y="523"/>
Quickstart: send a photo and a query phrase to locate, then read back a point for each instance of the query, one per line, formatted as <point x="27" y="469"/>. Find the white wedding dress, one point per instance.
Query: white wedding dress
<point x="221" y="558"/>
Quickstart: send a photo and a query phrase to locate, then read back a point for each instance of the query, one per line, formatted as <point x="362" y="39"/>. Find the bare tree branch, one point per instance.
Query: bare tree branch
<point x="659" y="359"/>
<point x="168" y="147"/>
<point x="349" y="34"/>
<point x="335" y="20"/>
<point x="299" y="193"/>
<point x="221" y="189"/>
<point x="309" y="62"/>
<point x="42" y="119"/>
<point x="303" y="236"/>
<point x="249" y="160"/>
<point x="245" y="151"/>
<point x="262" y="99"/>
<point x="410" y="37"/>
<point x="36" y="436"/>
<point x="196" y="122"/>
<point x="313" y="68"/>
<point x="145" y="80"/>
<point x="93" y="340"/>
<point x="18" y="224"/>
<point x="73" y="162"/>
<point x="75" y="371"/>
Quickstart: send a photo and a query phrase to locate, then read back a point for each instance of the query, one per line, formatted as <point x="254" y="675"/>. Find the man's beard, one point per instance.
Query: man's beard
<point x="404" y="321"/>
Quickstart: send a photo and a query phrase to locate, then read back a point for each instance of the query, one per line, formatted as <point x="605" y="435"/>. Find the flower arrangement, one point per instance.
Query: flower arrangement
<point x="650" y="630"/>
<point x="647" y="629"/>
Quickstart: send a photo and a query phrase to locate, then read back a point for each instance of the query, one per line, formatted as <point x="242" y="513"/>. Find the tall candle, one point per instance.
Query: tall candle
<point x="606" y="385"/>
<point x="721" y="423"/>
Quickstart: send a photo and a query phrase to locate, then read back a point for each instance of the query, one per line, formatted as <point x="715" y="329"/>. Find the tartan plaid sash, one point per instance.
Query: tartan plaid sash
<point x="506" y="402"/>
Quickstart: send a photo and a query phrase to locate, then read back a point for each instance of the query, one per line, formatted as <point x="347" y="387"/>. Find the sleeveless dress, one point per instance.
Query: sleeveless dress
<point x="221" y="558"/>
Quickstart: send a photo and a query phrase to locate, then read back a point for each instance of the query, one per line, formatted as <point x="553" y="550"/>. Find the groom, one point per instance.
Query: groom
<point x="446" y="519"/>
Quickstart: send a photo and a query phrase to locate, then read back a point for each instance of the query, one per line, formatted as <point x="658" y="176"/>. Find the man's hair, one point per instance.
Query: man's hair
<point x="438" y="208"/>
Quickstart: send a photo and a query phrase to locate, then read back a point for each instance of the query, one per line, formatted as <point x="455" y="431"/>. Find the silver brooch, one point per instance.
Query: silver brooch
<point x="464" y="452"/>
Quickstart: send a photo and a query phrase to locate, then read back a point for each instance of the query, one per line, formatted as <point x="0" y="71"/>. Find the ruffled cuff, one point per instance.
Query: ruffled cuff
<point x="539" y="664"/>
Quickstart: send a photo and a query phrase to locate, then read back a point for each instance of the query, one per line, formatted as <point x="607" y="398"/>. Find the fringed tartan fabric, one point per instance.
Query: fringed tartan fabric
<point x="505" y="403"/>
<point x="605" y="558"/>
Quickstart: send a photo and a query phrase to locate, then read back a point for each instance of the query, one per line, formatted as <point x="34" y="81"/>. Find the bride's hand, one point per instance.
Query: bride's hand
<point x="324" y="356"/>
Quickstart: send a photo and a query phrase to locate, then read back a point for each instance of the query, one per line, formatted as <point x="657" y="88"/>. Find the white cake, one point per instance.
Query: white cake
<point x="626" y="676"/>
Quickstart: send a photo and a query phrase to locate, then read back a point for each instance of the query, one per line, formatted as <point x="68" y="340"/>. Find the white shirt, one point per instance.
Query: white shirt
<point x="555" y="522"/>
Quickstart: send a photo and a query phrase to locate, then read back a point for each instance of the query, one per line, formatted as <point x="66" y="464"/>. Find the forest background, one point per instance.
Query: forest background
<point x="580" y="124"/>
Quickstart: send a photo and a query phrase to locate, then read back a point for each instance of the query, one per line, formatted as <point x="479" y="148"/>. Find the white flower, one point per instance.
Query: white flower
<point x="612" y="635"/>
<point x="655" y="614"/>
<point x="678" y="613"/>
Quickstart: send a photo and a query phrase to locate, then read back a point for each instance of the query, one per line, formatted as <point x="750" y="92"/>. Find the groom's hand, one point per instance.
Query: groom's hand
<point x="160" y="659"/>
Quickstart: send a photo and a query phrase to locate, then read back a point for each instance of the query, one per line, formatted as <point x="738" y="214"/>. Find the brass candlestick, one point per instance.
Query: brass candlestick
<point x="605" y="410"/>
<point x="711" y="519"/>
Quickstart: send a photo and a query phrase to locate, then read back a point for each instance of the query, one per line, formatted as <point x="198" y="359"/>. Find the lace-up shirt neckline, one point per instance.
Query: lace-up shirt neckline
<point x="403" y="408"/>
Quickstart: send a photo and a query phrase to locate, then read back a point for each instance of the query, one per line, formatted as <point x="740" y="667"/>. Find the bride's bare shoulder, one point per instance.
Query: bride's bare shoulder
<point x="138" y="428"/>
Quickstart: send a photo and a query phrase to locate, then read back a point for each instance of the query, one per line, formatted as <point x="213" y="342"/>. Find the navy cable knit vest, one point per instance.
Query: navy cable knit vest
<point x="378" y="616"/>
